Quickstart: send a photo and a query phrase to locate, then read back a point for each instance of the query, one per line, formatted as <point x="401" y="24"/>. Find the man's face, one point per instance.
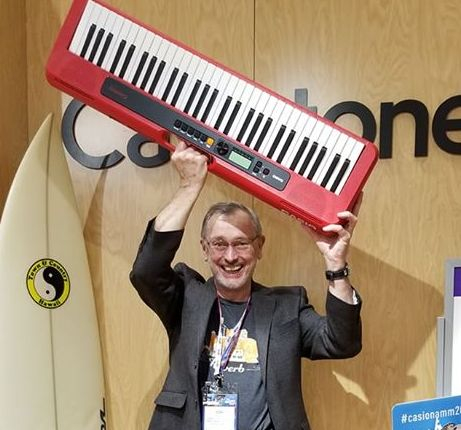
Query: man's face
<point x="232" y="251"/>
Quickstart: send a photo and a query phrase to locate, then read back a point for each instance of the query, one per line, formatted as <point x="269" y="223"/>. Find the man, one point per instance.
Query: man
<point x="234" y="343"/>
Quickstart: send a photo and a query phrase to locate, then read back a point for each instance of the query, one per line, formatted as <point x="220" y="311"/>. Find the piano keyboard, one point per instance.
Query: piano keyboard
<point x="255" y="138"/>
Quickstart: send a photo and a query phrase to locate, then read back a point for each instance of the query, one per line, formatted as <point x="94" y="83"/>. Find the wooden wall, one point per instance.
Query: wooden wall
<point x="13" y="88"/>
<point x="371" y="52"/>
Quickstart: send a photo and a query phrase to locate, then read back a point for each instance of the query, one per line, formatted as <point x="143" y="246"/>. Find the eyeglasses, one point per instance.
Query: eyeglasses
<point x="239" y="245"/>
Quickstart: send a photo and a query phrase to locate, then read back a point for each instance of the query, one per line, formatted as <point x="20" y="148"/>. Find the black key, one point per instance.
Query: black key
<point x="88" y="39"/>
<point x="223" y="112"/>
<point x="317" y="162"/>
<point x="330" y="170"/>
<point x="245" y="125"/>
<point x="254" y="129"/>
<point x="120" y="49"/>
<point x="286" y="146"/>
<point x="310" y="154"/>
<point x="97" y="42"/>
<point x="126" y="63"/>
<point x="192" y="95"/>
<point x="299" y="154"/>
<point x="232" y="117"/>
<point x="262" y="136"/>
<point x="150" y="67"/>
<point x="276" y="142"/>
<point x="159" y="72"/>
<point x="201" y="100"/>
<point x="209" y="105"/>
<point x="105" y="48"/>
<point x="181" y="84"/>
<point x="170" y="83"/>
<point x="140" y="67"/>
<point x="340" y="175"/>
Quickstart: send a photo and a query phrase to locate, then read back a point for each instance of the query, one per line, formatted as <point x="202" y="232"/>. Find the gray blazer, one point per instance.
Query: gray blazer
<point x="287" y="328"/>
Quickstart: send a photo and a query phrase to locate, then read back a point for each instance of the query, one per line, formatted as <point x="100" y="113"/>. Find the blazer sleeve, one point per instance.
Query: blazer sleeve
<point x="338" y="334"/>
<point x="158" y="285"/>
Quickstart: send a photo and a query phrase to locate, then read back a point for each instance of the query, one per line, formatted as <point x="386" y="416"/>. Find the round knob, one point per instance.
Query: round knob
<point x="222" y="148"/>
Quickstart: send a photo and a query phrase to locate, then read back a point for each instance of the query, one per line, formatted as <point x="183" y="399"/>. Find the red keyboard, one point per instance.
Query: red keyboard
<point x="263" y="143"/>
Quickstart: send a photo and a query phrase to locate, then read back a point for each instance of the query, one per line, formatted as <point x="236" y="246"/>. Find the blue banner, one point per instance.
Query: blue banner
<point x="442" y="413"/>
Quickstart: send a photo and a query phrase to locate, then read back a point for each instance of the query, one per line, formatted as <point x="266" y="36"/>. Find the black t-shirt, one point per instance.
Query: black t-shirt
<point x="243" y="368"/>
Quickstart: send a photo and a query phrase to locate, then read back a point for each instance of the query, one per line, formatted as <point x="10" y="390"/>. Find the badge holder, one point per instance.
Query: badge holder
<point x="220" y="405"/>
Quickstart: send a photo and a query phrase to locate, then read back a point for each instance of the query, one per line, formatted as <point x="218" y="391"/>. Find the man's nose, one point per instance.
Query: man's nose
<point x="230" y="254"/>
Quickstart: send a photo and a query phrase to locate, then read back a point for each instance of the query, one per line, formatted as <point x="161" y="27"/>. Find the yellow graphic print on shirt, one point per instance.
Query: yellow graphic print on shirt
<point x="245" y="352"/>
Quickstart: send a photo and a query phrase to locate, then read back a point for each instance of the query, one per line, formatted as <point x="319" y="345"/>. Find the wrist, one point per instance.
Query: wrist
<point x="341" y="273"/>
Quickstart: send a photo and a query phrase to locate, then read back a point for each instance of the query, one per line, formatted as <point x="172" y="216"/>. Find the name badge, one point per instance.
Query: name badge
<point x="220" y="407"/>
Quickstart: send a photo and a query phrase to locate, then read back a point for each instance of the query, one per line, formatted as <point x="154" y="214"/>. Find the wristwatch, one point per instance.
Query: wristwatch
<point x="337" y="274"/>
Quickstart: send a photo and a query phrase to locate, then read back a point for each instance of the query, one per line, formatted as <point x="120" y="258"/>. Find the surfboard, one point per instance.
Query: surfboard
<point x="51" y="373"/>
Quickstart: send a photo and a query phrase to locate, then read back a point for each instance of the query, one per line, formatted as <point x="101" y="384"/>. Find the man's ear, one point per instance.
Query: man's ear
<point x="260" y="243"/>
<point x="204" y="249"/>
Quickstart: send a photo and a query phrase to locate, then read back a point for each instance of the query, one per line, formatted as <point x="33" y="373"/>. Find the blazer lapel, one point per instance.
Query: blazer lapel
<point x="263" y="306"/>
<point x="205" y="304"/>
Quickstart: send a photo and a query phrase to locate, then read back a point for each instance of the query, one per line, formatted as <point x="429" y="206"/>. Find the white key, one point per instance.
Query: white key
<point x="93" y="20"/>
<point x="290" y="125"/>
<point x="267" y="112"/>
<point x="211" y="77"/>
<point x="172" y="58"/>
<point x="282" y="112"/>
<point x="245" y="99"/>
<point x="137" y="55"/>
<point x="82" y="29"/>
<point x="353" y="157"/>
<point x="327" y="140"/>
<point x="261" y="99"/>
<point x="162" y="50"/>
<point x="327" y="162"/>
<point x="256" y="93"/>
<point x="131" y="36"/>
<point x="121" y="29"/>
<point x="217" y="106"/>
<point x="108" y="25"/>
<point x="304" y="129"/>
<point x="315" y="137"/>
<point x="345" y="154"/>
<point x="228" y="91"/>
<point x="145" y="47"/>
<point x="99" y="22"/>
<point x="331" y="146"/>
<point x="193" y="71"/>
<point x="236" y="97"/>
<point x="146" y="76"/>
<point x="309" y="146"/>
<point x="197" y="68"/>
<point x="183" y="66"/>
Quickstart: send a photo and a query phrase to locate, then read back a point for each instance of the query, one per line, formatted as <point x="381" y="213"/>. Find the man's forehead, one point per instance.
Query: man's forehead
<point x="238" y="219"/>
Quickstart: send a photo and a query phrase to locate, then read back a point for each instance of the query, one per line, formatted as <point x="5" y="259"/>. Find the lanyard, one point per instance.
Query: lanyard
<point x="223" y="353"/>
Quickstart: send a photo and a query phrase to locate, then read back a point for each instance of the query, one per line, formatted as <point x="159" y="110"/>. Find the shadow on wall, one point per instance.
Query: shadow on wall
<point x="399" y="317"/>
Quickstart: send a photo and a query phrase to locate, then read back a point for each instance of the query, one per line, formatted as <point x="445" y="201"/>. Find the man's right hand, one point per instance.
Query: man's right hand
<point x="192" y="169"/>
<point x="190" y="164"/>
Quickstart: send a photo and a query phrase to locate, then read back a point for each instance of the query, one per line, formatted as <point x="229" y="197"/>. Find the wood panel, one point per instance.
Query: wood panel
<point x="13" y="87"/>
<point x="372" y="52"/>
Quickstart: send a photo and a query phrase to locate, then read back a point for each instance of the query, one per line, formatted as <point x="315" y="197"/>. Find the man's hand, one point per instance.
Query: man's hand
<point x="192" y="169"/>
<point x="335" y="248"/>
<point x="190" y="164"/>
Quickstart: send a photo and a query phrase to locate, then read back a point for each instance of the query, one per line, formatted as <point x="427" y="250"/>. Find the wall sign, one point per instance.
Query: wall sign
<point x="442" y="125"/>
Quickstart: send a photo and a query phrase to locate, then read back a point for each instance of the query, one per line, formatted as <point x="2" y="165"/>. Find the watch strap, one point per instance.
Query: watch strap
<point x="333" y="275"/>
